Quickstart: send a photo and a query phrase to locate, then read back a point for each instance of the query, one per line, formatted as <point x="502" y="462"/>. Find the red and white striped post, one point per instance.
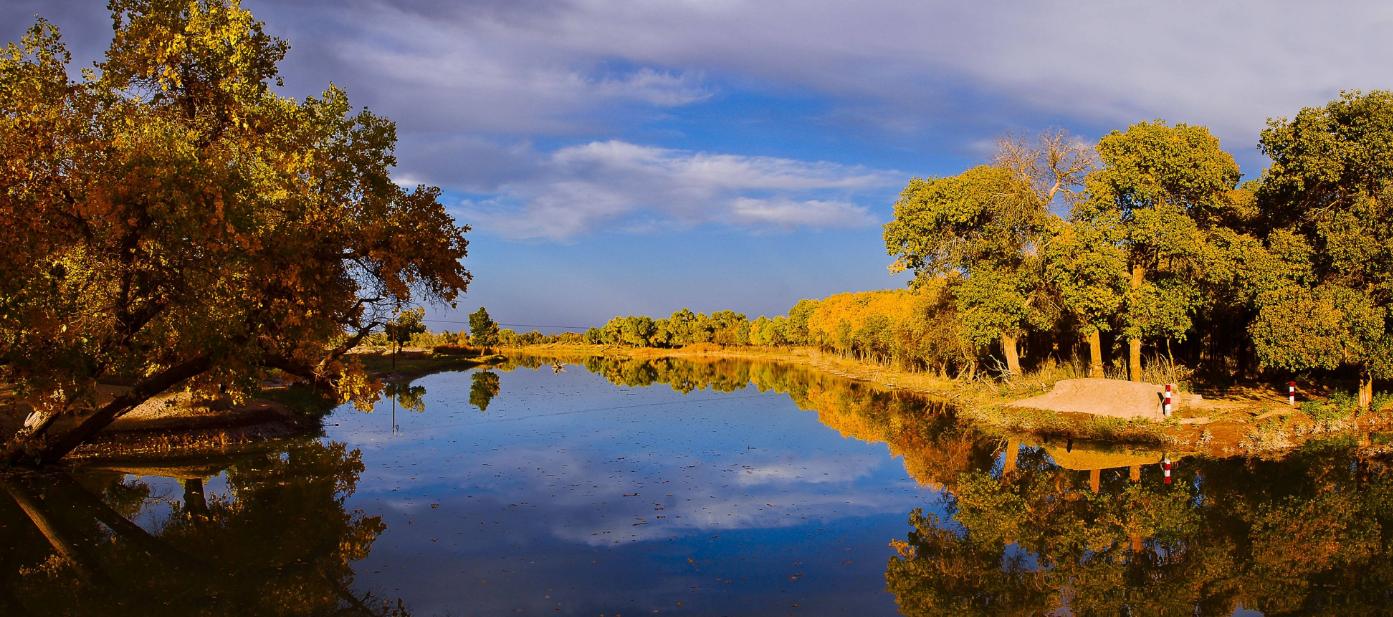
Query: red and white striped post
<point x="1291" y="393"/>
<point x="1166" y="467"/>
<point x="1166" y="408"/>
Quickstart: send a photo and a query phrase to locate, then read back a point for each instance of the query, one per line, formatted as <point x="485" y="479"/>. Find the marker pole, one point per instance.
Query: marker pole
<point x="1166" y="409"/>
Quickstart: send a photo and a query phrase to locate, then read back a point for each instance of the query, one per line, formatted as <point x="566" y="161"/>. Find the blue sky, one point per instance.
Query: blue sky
<point x="619" y="157"/>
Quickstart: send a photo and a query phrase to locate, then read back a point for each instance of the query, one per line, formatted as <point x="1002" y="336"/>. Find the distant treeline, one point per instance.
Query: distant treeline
<point x="504" y="338"/>
<point x="911" y="329"/>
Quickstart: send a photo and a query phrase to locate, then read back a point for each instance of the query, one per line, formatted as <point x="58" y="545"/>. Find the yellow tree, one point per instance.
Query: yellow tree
<point x="173" y="222"/>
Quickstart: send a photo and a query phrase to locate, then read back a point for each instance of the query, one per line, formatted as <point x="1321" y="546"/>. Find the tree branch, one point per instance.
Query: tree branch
<point x="19" y="451"/>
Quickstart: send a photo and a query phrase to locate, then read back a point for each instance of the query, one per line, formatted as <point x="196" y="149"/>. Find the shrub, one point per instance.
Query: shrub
<point x="457" y="350"/>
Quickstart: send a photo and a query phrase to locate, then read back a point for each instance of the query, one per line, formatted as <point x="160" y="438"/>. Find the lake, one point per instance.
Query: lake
<point x="625" y="487"/>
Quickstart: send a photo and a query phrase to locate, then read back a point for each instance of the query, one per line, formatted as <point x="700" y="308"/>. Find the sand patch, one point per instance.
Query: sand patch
<point x="1105" y="397"/>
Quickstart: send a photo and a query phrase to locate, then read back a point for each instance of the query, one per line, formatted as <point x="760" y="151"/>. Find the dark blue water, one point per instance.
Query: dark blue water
<point x="623" y="487"/>
<point x="570" y="493"/>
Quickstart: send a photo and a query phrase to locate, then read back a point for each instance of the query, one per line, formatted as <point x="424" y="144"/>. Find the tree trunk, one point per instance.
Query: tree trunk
<point x="35" y="449"/>
<point x="195" y="504"/>
<point x="1008" y="464"/>
<point x="64" y="544"/>
<point x="1366" y="390"/>
<point x="1134" y="359"/>
<point x="1134" y="343"/>
<point x="1013" y="359"/>
<point x="1095" y="354"/>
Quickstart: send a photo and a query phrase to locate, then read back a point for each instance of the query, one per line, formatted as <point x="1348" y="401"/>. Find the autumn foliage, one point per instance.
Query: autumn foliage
<point x="171" y="221"/>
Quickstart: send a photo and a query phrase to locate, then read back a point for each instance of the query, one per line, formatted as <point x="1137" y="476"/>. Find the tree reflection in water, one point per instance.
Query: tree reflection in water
<point x="1304" y="535"/>
<point x="279" y="543"/>
<point x="483" y="386"/>
<point x="1079" y="529"/>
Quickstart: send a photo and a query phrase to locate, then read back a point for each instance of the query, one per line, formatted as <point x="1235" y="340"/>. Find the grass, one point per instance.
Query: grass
<point x="1272" y="434"/>
<point x="997" y="419"/>
<point x="1338" y="407"/>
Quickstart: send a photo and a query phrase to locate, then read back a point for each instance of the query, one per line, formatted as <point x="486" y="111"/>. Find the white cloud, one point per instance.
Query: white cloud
<point x="630" y="186"/>
<point x="560" y="67"/>
<point x="807" y="213"/>
<point x="456" y="75"/>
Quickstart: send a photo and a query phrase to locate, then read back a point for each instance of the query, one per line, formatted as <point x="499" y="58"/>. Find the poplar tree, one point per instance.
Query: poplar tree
<point x="1328" y="197"/>
<point x="1159" y="191"/>
<point x="981" y="223"/>
<point x="989" y="223"/>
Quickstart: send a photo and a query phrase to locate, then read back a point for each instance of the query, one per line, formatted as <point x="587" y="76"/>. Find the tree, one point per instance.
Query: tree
<point x="173" y="222"/>
<point x="1086" y="269"/>
<point x="797" y="330"/>
<point x="1328" y="197"/>
<point x="407" y="323"/>
<point x="766" y="331"/>
<point x="483" y="331"/>
<point x="729" y="328"/>
<point x="684" y="328"/>
<point x="636" y="330"/>
<point x="1160" y="189"/>
<point x="984" y="223"/>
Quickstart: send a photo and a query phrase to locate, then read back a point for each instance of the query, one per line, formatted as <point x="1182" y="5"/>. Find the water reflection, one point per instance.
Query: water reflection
<point x="483" y="386"/>
<point x="1088" y="529"/>
<point x="1306" y="535"/>
<point x="711" y="495"/>
<point x="277" y="541"/>
<point x="924" y="433"/>
<point x="411" y="397"/>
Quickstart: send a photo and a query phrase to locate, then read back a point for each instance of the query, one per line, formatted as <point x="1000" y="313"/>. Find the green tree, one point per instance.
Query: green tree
<point x="636" y="331"/>
<point x="483" y="330"/>
<point x="171" y="221"/>
<point x="797" y="330"/>
<point x="729" y="328"/>
<point x="768" y="332"/>
<point x="1328" y="196"/>
<point x="405" y="325"/>
<point x="984" y="223"/>
<point x="1087" y="271"/>
<point x="684" y="328"/>
<point x="1160" y="190"/>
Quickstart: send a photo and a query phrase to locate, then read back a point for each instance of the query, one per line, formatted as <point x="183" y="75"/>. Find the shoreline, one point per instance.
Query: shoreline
<point x="171" y="426"/>
<point x="1244" y="425"/>
<point x="1241" y="421"/>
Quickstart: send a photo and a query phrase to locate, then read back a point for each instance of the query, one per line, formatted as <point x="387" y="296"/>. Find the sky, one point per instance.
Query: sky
<point x="640" y="157"/>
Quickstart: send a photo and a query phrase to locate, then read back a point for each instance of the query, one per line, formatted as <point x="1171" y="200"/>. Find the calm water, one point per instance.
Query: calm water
<point x="728" y="488"/>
